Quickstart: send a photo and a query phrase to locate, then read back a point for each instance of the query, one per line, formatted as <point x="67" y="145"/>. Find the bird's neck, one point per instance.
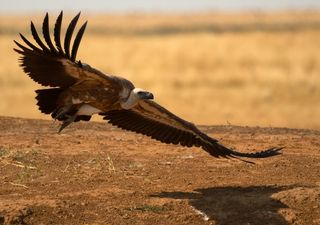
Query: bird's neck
<point x="131" y="101"/>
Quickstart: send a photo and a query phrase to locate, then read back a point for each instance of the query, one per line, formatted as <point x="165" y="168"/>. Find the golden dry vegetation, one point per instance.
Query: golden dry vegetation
<point x="244" y="69"/>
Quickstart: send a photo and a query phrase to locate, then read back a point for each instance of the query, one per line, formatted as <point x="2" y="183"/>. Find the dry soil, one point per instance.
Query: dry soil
<point x="93" y="173"/>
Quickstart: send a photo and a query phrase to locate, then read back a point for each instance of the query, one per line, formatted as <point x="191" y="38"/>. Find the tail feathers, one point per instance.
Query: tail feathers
<point x="47" y="99"/>
<point x="47" y="102"/>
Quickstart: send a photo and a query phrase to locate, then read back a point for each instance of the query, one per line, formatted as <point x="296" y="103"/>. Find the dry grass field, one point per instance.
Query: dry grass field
<point x="240" y="69"/>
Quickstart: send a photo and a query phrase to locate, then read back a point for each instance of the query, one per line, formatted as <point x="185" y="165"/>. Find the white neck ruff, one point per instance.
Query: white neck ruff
<point x="132" y="100"/>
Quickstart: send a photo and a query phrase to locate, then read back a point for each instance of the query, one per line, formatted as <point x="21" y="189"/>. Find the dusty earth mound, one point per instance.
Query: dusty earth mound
<point x="93" y="173"/>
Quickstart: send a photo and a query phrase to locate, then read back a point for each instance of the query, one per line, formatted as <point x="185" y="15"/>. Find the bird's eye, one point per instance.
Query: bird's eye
<point x="140" y="92"/>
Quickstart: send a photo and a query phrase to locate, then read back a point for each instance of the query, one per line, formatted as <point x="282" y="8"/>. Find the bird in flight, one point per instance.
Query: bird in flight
<point x="77" y="91"/>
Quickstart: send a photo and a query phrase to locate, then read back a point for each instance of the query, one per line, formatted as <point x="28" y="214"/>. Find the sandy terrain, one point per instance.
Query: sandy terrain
<point x="93" y="173"/>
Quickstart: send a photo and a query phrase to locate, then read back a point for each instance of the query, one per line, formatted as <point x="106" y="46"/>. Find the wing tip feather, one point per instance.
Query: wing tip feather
<point x="260" y="154"/>
<point x="57" y="31"/>
<point x="77" y="41"/>
<point x="69" y="34"/>
<point x="47" y="45"/>
<point x="46" y="34"/>
<point x="37" y="38"/>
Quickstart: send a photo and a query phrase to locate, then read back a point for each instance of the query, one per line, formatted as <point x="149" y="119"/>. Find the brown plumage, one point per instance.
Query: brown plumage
<point x="77" y="91"/>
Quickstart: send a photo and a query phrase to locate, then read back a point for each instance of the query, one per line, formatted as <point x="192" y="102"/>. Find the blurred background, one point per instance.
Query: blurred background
<point x="248" y="62"/>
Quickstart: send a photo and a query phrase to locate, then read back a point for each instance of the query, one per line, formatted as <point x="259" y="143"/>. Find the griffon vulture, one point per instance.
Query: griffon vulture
<point x="77" y="91"/>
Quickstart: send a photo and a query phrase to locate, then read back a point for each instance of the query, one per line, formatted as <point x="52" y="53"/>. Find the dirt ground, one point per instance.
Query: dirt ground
<point x="93" y="173"/>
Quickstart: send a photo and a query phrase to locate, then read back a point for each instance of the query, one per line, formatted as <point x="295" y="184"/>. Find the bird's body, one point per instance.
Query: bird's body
<point x="103" y="96"/>
<point x="77" y="91"/>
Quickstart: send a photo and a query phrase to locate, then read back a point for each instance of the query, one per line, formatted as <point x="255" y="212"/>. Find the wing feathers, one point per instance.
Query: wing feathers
<point x="157" y="132"/>
<point x="77" y="41"/>
<point x="48" y="63"/>
<point x="57" y="32"/>
<point x="37" y="38"/>
<point x="173" y="130"/>
<point x="22" y="47"/>
<point x="168" y="135"/>
<point x="162" y="132"/>
<point x="176" y="138"/>
<point x="46" y="34"/>
<point x="35" y="48"/>
<point x="69" y="33"/>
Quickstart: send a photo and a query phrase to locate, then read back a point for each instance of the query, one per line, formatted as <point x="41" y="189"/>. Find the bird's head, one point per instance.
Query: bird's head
<point x="142" y="94"/>
<point x="136" y="95"/>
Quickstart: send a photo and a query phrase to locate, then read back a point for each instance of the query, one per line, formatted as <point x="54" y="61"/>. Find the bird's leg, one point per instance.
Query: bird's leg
<point x="60" y="112"/>
<point x="68" y="121"/>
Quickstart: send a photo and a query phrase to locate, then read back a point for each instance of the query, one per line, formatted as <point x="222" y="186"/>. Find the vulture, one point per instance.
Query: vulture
<point x="75" y="91"/>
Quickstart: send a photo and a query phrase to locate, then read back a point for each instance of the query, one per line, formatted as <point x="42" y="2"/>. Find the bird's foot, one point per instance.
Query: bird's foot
<point x="67" y="122"/>
<point x="60" y="113"/>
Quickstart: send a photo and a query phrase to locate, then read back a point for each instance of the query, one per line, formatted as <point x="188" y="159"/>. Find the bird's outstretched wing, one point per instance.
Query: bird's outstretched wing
<point x="151" y="119"/>
<point x="51" y="64"/>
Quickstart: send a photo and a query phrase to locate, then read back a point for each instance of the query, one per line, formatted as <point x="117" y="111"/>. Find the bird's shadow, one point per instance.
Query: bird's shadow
<point x="235" y="205"/>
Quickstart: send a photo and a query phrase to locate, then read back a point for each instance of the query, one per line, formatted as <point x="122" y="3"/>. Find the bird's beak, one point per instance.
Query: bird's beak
<point x="148" y="95"/>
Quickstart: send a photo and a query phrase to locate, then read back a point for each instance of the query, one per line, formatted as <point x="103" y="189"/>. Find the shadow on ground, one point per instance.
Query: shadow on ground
<point x="235" y="205"/>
